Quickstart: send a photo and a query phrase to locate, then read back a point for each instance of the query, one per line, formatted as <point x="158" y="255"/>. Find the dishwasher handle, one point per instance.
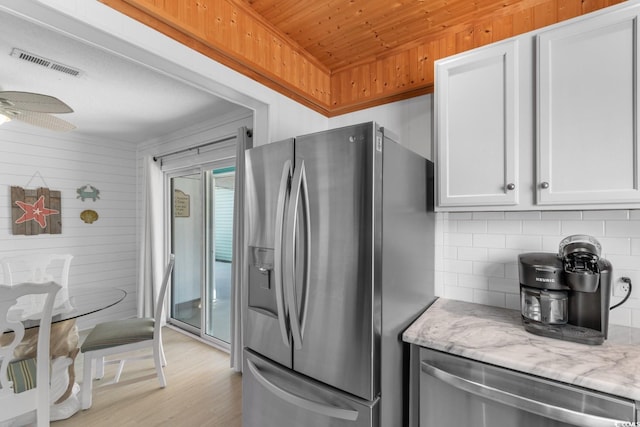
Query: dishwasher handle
<point x="519" y="402"/>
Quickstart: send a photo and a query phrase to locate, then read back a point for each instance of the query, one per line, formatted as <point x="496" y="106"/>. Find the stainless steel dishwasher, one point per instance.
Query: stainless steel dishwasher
<point x="456" y="392"/>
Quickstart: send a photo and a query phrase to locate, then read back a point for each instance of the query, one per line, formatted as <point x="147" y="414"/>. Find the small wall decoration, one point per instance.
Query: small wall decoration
<point x="89" y="216"/>
<point x="35" y="211"/>
<point x="181" y="204"/>
<point x="88" y="192"/>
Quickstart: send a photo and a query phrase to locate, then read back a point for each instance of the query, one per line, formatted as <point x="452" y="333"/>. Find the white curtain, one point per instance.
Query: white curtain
<point x="152" y="239"/>
<point x="238" y="271"/>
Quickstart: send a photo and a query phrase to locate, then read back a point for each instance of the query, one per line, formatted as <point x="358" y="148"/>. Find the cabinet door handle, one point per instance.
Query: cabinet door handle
<point x="544" y="185"/>
<point x="511" y="186"/>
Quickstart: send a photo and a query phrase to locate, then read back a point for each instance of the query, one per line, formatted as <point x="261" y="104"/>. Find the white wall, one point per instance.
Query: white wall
<point x="105" y="251"/>
<point x="410" y="119"/>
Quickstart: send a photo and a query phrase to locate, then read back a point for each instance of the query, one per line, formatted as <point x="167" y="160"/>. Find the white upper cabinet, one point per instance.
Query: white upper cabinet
<point x="476" y="107"/>
<point x="588" y="112"/>
<point x="545" y="120"/>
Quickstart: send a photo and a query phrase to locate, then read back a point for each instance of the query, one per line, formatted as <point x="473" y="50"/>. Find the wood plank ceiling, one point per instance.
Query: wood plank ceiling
<point x="338" y="56"/>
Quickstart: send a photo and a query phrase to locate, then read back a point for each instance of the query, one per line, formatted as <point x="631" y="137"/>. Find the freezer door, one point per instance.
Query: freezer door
<point x="338" y="331"/>
<point x="269" y="169"/>
<point x="273" y="396"/>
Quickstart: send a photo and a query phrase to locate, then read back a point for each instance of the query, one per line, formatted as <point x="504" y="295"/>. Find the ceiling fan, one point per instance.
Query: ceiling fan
<point x="34" y="109"/>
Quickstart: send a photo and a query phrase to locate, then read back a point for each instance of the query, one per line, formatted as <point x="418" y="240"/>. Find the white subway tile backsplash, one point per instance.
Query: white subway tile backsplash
<point x="450" y="279"/>
<point x="635" y="319"/>
<point x="458" y="266"/>
<point x="459" y="215"/>
<point x="488" y="240"/>
<point x="512" y="301"/>
<point x="631" y="304"/>
<point x="473" y="254"/>
<point x="592" y="228"/>
<point x="541" y="227"/>
<point x="472" y="226"/>
<point x="460" y="294"/>
<point x="522" y="215"/>
<point x="478" y="252"/>
<point x="449" y="226"/>
<point x="623" y="262"/>
<point x="510" y="286"/>
<point x="623" y="228"/>
<point x="496" y="299"/>
<point x="526" y="243"/>
<point x="488" y="269"/>
<point x="458" y="239"/>
<point x="488" y="215"/>
<point x="551" y="243"/>
<point x="450" y="252"/>
<point x="505" y="226"/>
<point x="511" y="270"/>
<point x="621" y="214"/>
<point x="473" y="281"/>
<point x="504" y="255"/>
<point x="620" y="316"/>
<point x="615" y="245"/>
<point x="561" y="215"/>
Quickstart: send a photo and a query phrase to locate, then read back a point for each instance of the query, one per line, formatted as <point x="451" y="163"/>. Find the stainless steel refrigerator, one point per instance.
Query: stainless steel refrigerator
<point x="340" y="253"/>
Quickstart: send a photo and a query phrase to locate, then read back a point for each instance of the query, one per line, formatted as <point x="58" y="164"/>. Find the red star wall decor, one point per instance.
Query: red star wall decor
<point x="35" y="211"/>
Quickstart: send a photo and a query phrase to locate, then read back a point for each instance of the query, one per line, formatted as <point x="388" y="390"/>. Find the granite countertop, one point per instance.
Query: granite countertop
<point x="496" y="336"/>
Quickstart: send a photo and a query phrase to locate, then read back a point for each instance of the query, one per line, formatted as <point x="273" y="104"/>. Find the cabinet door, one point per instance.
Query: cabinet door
<point x="476" y="105"/>
<point x="588" y="112"/>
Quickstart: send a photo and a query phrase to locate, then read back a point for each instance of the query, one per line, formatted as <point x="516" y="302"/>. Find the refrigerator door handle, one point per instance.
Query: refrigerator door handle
<point x="278" y="251"/>
<point x="301" y="402"/>
<point x="297" y="319"/>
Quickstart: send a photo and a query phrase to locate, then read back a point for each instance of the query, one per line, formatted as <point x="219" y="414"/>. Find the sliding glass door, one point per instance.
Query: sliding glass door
<point x="187" y="244"/>
<point x="218" y="314"/>
<point x="202" y="241"/>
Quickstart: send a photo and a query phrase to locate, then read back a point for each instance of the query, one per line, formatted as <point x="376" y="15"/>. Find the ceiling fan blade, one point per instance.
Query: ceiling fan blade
<point x="42" y="120"/>
<point x="34" y="102"/>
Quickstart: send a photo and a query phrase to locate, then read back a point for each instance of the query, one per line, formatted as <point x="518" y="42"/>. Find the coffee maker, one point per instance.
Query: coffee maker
<point x="566" y="295"/>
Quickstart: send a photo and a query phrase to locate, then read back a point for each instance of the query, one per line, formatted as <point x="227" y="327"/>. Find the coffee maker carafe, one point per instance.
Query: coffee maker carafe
<point x="566" y="295"/>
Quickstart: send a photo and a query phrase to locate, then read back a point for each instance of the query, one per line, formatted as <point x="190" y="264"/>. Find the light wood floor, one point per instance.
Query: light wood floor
<point x="202" y="390"/>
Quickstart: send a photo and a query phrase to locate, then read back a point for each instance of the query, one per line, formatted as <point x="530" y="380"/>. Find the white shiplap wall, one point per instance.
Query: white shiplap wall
<point x="476" y="252"/>
<point x="105" y="251"/>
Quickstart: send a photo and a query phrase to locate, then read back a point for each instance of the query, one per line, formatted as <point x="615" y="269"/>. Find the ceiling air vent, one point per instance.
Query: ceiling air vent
<point x="39" y="60"/>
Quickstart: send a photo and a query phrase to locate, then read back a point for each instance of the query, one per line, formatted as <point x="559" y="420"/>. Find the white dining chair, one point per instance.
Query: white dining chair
<point x="38" y="268"/>
<point x="123" y="336"/>
<point x="22" y="392"/>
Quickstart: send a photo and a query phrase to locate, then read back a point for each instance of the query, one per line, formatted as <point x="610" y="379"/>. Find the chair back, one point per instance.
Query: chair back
<point x="11" y="334"/>
<point x="38" y="268"/>
<point x="162" y="294"/>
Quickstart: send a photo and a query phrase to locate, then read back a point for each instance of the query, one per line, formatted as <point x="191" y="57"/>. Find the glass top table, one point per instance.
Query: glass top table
<point x="71" y="303"/>
<point x="77" y="301"/>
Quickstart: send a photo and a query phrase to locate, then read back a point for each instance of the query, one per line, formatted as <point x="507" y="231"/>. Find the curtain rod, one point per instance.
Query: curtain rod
<point x="184" y="150"/>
